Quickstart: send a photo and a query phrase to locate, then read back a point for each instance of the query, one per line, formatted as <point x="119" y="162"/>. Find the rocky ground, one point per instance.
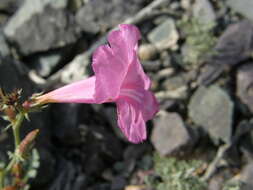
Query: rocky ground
<point x="199" y="56"/>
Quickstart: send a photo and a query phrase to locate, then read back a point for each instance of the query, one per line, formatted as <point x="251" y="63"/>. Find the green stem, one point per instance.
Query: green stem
<point x="1" y="179"/>
<point x="16" y="128"/>
<point x="10" y="165"/>
<point x="16" y="133"/>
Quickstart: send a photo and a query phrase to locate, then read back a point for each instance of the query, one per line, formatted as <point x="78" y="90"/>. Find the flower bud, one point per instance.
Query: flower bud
<point x="27" y="143"/>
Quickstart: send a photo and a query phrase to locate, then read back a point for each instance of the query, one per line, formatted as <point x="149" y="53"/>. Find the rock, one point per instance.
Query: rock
<point x="185" y="4"/>
<point x="170" y="136"/>
<point x="175" y="82"/>
<point x="164" y="73"/>
<point x="212" y="109"/>
<point x="179" y="93"/>
<point x="87" y="22"/>
<point x="153" y="66"/>
<point x="247" y="176"/>
<point x="244" y="85"/>
<point x="244" y="134"/>
<point x="3" y="18"/>
<point x="13" y="75"/>
<point x="99" y="15"/>
<point x="10" y="6"/>
<point x="132" y="154"/>
<point x="44" y="64"/>
<point x="65" y="128"/>
<point x="75" y="5"/>
<point x="46" y="171"/>
<point x="168" y="105"/>
<point x="111" y="116"/>
<point x="136" y="187"/>
<point x="4" y="48"/>
<point x="78" y="69"/>
<point x="118" y="183"/>
<point x="147" y="52"/>
<point x="174" y="5"/>
<point x="204" y="12"/>
<point x="215" y="183"/>
<point x="102" y="186"/>
<point x="101" y="145"/>
<point x="164" y="36"/>
<point x="41" y="25"/>
<point x="68" y="176"/>
<point x="175" y="87"/>
<point x="244" y="7"/>
<point x="234" y="45"/>
<point x="135" y="151"/>
<point x="166" y="59"/>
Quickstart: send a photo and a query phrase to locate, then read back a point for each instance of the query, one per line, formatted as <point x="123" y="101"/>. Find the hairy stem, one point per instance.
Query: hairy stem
<point x="1" y="179"/>
<point x="16" y="133"/>
<point x="16" y="128"/>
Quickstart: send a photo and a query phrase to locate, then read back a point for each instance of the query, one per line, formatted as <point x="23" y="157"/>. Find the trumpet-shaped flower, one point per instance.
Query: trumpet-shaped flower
<point x="118" y="78"/>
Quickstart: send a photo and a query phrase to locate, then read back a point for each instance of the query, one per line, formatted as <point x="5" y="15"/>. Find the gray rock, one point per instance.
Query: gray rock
<point x="168" y="105"/>
<point x="147" y="52"/>
<point x="13" y="75"/>
<point x="46" y="63"/>
<point x="87" y="22"/>
<point x="65" y="128"/>
<point x="111" y="116"/>
<point x="10" y="5"/>
<point x="175" y="87"/>
<point x="164" y="36"/>
<point x="215" y="183"/>
<point x="78" y="69"/>
<point x="244" y="134"/>
<point x="103" y="186"/>
<point x="244" y="7"/>
<point x="204" y="12"/>
<point x="41" y="25"/>
<point x="170" y="136"/>
<point x="46" y="171"/>
<point x="234" y="45"/>
<point x="185" y="4"/>
<point x="99" y="15"/>
<point x="69" y="176"/>
<point x="244" y="85"/>
<point x="247" y="176"/>
<point x="153" y="66"/>
<point x="4" y="48"/>
<point x="212" y="109"/>
<point x="118" y="183"/>
<point x="174" y="82"/>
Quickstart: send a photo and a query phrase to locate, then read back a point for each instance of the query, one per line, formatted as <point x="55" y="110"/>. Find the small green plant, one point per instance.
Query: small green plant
<point x="176" y="174"/>
<point x="199" y="40"/>
<point x="234" y="185"/>
<point x="23" y="161"/>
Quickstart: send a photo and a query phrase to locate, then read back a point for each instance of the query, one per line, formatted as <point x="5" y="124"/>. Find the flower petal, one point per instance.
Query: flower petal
<point x="111" y="63"/>
<point x="131" y="122"/>
<point x="143" y="100"/>
<point x="124" y="42"/>
<point x="109" y="71"/>
<point x="77" y="92"/>
<point x="135" y="77"/>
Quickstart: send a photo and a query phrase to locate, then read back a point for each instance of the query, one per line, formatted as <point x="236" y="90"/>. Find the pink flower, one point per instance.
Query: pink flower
<point x="119" y="78"/>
